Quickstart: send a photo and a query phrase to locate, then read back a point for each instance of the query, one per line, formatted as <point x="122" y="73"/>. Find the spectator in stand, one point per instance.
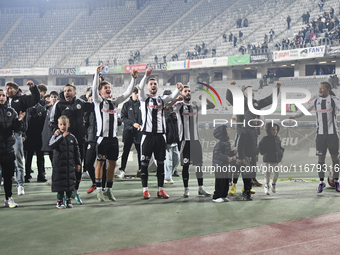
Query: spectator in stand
<point x="235" y="40"/>
<point x="239" y="23"/>
<point x="307" y="17"/>
<point x="115" y="61"/>
<point x="230" y="37"/>
<point x="271" y="35"/>
<point x="240" y="35"/>
<point x="87" y="61"/>
<point x="164" y="59"/>
<point x="156" y="59"/>
<point x="321" y="72"/>
<point x="307" y="37"/>
<point x="245" y="22"/>
<point x="224" y="36"/>
<point x="242" y="49"/>
<point x="288" y="21"/>
<point x="277" y="45"/>
<point x="304" y="18"/>
<point x="321" y="4"/>
<point x="265" y="80"/>
<point x="213" y="52"/>
<point x="265" y="37"/>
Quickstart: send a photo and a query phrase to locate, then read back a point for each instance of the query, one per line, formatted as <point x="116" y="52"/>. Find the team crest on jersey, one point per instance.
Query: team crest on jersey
<point x="39" y="113"/>
<point x="185" y="160"/>
<point x="89" y="146"/>
<point x="78" y="106"/>
<point x="9" y="114"/>
<point x="142" y="157"/>
<point x="16" y="100"/>
<point x="109" y="111"/>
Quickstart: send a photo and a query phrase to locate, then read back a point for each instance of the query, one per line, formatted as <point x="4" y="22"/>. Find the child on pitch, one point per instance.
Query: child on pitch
<point x="272" y="151"/>
<point x="10" y="123"/>
<point x="222" y="158"/>
<point x="66" y="161"/>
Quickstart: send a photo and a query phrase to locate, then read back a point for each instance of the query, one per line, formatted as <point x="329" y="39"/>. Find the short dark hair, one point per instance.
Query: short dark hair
<point x="54" y="93"/>
<point x="42" y="87"/>
<point x="70" y="85"/>
<point x="12" y="84"/>
<point x="135" y="90"/>
<point x="103" y="83"/>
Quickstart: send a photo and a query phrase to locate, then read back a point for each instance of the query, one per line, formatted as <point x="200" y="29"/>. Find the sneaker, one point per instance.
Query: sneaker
<point x="162" y="194"/>
<point x="100" y="195"/>
<point x="321" y="186"/>
<point x="78" y="200"/>
<point x="266" y="189"/>
<point x="171" y="181"/>
<point x="186" y="192"/>
<point x="60" y="204"/>
<point x="41" y="179"/>
<point x="247" y="196"/>
<point x="251" y="190"/>
<point x="85" y="175"/>
<point x="175" y="173"/>
<point x="121" y="174"/>
<point x="232" y="190"/>
<point x="203" y="192"/>
<point x="69" y="203"/>
<point x="225" y="199"/>
<point x="257" y="183"/>
<point x="337" y="186"/>
<point x="218" y="200"/>
<point x="10" y="203"/>
<point x="90" y="190"/>
<point x="21" y="190"/>
<point x="109" y="194"/>
<point x="146" y="194"/>
<point x="274" y="187"/>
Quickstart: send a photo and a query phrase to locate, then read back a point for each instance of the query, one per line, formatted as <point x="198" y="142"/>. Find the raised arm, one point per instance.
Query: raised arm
<point x="269" y="99"/>
<point x="55" y="140"/>
<point x="95" y="85"/>
<point x="174" y="94"/>
<point x="309" y="106"/>
<point x="34" y="98"/>
<point x="128" y="92"/>
<point x="142" y="94"/>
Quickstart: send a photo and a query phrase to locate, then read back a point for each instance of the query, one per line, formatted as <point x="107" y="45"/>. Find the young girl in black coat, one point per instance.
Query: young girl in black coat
<point x="222" y="158"/>
<point x="66" y="161"/>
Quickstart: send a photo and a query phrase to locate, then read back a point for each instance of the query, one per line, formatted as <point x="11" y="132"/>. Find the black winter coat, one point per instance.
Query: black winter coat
<point x="222" y="149"/>
<point x="270" y="147"/>
<point x="171" y="130"/>
<point x="131" y="114"/>
<point x="8" y="123"/>
<point x="65" y="158"/>
<point x="74" y="110"/>
<point x="35" y="119"/>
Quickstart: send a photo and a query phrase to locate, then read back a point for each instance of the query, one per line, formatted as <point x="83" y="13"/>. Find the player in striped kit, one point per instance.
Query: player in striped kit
<point x="190" y="146"/>
<point x="153" y="129"/>
<point x="105" y="106"/>
<point x="326" y="107"/>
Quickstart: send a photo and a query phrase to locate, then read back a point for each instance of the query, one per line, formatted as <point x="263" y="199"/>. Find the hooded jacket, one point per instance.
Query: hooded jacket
<point x="270" y="146"/>
<point x="8" y="123"/>
<point x="171" y="129"/>
<point x="222" y="149"/>
<point x="21" y="103"/>
<point x="74" y="110"/>
<point x="66" y="156"/>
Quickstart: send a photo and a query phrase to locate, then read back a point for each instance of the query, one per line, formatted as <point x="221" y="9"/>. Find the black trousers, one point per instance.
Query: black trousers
<point x="7" y="173"/>
<point x="126" y="150"/>
<point x="40" y="162"/>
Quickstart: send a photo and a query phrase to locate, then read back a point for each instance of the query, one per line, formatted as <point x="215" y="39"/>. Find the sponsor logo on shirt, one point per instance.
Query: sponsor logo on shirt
<point x="109" y="111"/>
<point x="155" y="106"/>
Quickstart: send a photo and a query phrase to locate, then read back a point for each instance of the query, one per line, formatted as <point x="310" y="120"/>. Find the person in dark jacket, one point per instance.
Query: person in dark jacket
<point x="66" y="161"/>
<point x="74" y="108"/>
<point x="35" y="118"/>
<point x="47" y="133"/>
<point x="272" y="151"/>
<point x="131" y="117"/>
<point x="172" y="155"/>
<point x="223" y="156"/>
<point x="248" y="133"/>
<point x="20" y="103"/>
<point x="9" y="122"/>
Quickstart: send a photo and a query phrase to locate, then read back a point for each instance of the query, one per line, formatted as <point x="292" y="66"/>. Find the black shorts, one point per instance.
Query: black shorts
<point x="107" y="148"/>
<point x="153" y="143"/>
<point x="191" y="153"/>
<point x="324" y="142"/>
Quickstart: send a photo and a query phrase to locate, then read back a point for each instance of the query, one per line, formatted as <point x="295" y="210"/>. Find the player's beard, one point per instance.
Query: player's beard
<point x="187" y="98"/>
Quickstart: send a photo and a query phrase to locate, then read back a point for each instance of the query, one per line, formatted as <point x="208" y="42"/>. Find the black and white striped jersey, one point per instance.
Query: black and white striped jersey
<point x="152" y="109"/>
<point x="326" y="110"/>
<point x="106" y="108"/>
<point x="187" y="120"/>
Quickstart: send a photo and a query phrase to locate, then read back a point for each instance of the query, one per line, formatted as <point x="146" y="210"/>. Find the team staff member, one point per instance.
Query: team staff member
<point x="20" y="103"/>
